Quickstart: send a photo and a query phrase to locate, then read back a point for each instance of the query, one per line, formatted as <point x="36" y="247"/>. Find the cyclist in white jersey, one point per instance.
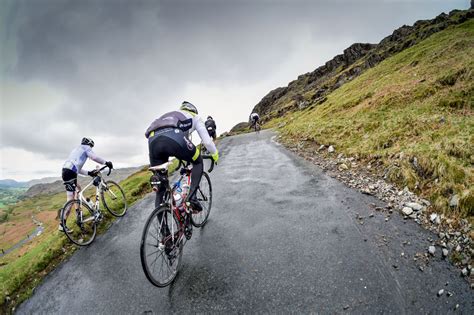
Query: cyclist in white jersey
<point x="73" y="165"/>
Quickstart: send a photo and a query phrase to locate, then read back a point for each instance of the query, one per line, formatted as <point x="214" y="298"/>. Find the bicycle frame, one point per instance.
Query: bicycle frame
<point x="97" y="193"/>
<point x="96" y="206"/>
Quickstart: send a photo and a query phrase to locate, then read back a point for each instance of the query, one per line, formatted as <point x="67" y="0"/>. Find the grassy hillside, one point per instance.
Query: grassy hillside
<point x="312" y="88"/>
<point x="22" y="269"/>
<point x="8" y="196"/>
<point x="413" y="111"/>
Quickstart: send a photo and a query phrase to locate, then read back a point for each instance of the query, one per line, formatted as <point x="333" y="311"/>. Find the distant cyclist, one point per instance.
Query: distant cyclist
<point x="211" y="127"/>
<point x="168" y="136"/>
<point x="74" y="164"/>
<point x="254" y="118"/>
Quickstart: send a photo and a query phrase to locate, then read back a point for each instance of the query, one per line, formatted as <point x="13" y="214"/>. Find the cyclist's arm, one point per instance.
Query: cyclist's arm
<point x="206" y="139"/>
<point x="83" y="172"/>
<point x="94" y="157"/>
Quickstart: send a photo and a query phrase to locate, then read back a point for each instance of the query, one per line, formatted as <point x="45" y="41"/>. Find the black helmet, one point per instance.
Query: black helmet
<point x="88" y="141"/>
<point x="209" y="117"/>
<point x="189" y="107"/>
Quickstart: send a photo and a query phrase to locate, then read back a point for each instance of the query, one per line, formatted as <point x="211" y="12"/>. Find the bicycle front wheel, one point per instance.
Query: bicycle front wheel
<point x="204" y="195"/>
<point x="114" y="198"/>
<point x="161" y="247"/>
<point x="78" y="222"/>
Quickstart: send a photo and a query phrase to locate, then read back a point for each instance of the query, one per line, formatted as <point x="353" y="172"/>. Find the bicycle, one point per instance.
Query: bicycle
<point x="80" y="226"/>
<point x="256" y="126"/>
<point x="169" y="226"/>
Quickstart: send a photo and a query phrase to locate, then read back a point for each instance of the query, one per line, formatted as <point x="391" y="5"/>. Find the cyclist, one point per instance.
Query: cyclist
<point x="74" y="164"/>
<point x="254" y="118"/>
<point x="211" y="127"/>
<point x="169" y="135"/>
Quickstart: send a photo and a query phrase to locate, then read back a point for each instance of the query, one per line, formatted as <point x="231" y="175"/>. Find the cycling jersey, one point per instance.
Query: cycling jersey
<point x="79" y="156"/>
<point x="186" y="122"/>
<point x="210" y="123"/>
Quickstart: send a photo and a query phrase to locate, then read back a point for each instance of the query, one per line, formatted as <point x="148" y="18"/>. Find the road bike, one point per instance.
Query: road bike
<point x="80" y="217"/>
<point x="256" y="127"/>
<point x="169" y="226"/>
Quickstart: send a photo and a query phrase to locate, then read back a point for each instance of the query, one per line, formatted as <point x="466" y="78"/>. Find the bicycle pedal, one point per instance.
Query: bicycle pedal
<point x="99" y="217"/>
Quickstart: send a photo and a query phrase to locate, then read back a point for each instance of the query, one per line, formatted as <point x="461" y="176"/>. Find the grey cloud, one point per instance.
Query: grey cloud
<point x="121" y="63"/>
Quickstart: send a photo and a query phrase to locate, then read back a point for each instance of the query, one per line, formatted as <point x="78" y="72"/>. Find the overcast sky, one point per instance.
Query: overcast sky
<point x="106" y="69"/>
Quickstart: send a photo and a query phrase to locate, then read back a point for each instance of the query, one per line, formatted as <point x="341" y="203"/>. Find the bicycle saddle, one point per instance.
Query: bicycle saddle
<point x="160" y="167"/>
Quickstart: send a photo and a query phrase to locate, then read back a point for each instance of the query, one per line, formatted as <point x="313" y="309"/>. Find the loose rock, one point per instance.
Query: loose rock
<point x="331" y="149"/>
<point x="440" y="292"/>
<point x="454" y="201"/>
<point x="415" y="206"/>
<point x="432" y="250"/>
<point x="445" y="252"/>
<point x="407" y="210"/>
<point x="343" y="167"/>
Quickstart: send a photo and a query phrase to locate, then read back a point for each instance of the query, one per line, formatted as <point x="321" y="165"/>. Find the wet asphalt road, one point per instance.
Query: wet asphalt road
<point x="282" y="237"/>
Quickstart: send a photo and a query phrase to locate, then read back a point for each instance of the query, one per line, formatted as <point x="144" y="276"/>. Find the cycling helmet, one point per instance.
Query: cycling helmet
<point x="189" y="107"/>
<point x="88" y="141"/>
<point x="209" y="117"/>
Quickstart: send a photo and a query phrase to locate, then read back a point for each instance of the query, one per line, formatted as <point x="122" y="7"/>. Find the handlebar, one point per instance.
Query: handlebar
<point x="212" y="162"/>
<point x="181" y="163"/>
<point x="103" y="168"/>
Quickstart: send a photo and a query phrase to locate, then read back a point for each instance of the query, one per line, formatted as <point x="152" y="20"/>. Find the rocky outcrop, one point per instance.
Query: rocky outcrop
<point x="311" y="89"/>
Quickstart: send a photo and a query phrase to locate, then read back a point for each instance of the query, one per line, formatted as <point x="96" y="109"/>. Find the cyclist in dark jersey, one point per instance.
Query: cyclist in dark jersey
<point x="211" y="127"/>
<point x="169" y="135"/>
<point x="254" y="118"/>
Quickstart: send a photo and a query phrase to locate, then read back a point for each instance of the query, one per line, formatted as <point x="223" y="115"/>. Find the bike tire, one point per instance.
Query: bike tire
<point x="115" y="201"/>
<point x="87" y="227"/>
<point x="156" y="241"/>
<point x="204" y="195"/>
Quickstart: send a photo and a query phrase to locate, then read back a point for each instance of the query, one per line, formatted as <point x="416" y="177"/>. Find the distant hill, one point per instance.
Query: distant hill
<point x="57" y="184"/>
<point x="11" y="183"/>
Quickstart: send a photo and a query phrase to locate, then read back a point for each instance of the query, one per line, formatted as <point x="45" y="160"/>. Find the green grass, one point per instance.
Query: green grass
<point x="22" y="269"/>
<point x="419" y="102"/>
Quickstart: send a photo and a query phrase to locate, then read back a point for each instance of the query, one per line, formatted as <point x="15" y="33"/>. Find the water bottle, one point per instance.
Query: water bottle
<point x="90" y="203"/>
<point x="178" y="199"/>
<point x="185" y="189"/>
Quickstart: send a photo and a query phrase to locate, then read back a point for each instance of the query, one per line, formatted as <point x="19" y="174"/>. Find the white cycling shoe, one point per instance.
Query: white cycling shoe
<point x="61" y="229"/>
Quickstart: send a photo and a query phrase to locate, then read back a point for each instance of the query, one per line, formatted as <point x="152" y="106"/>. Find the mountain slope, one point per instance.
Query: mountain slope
<point x="312" y="88"/>
<point x="412" y="114"/>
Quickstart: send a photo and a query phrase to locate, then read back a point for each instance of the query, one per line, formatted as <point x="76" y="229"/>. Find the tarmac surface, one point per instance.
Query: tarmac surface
<point x="282" y="237"/>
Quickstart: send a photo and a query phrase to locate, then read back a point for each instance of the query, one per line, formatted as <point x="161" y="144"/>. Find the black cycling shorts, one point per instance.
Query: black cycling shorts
<point x="69" y="179"/>
<point x="212" y="133"/>
<point x="171" y="142"/>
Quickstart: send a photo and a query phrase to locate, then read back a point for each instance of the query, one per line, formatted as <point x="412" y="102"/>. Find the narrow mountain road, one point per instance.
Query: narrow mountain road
<point x="282" y="237"/>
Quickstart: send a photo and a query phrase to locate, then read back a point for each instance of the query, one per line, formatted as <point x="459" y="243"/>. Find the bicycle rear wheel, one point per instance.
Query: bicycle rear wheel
<point x="161" y="247"/>
<point x="78" y="222"/>
<point x="114" y="199"/>
<point x="204" y="195"/>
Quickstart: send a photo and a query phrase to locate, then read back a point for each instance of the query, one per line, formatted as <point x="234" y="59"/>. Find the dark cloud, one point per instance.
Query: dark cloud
<point x="121" y="63"/>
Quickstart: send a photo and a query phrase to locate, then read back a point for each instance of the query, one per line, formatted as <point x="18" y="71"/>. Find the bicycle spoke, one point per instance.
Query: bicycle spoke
<point x="153" y="236"/>
<point x="159" y="250"/>
<point x="158" y="227"/>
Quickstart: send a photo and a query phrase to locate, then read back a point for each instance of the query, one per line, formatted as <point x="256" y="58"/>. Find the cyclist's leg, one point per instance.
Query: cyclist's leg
<point x="185" y="150"/>
<point x="158" y="153"/>
<point x="70" y="184"/>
